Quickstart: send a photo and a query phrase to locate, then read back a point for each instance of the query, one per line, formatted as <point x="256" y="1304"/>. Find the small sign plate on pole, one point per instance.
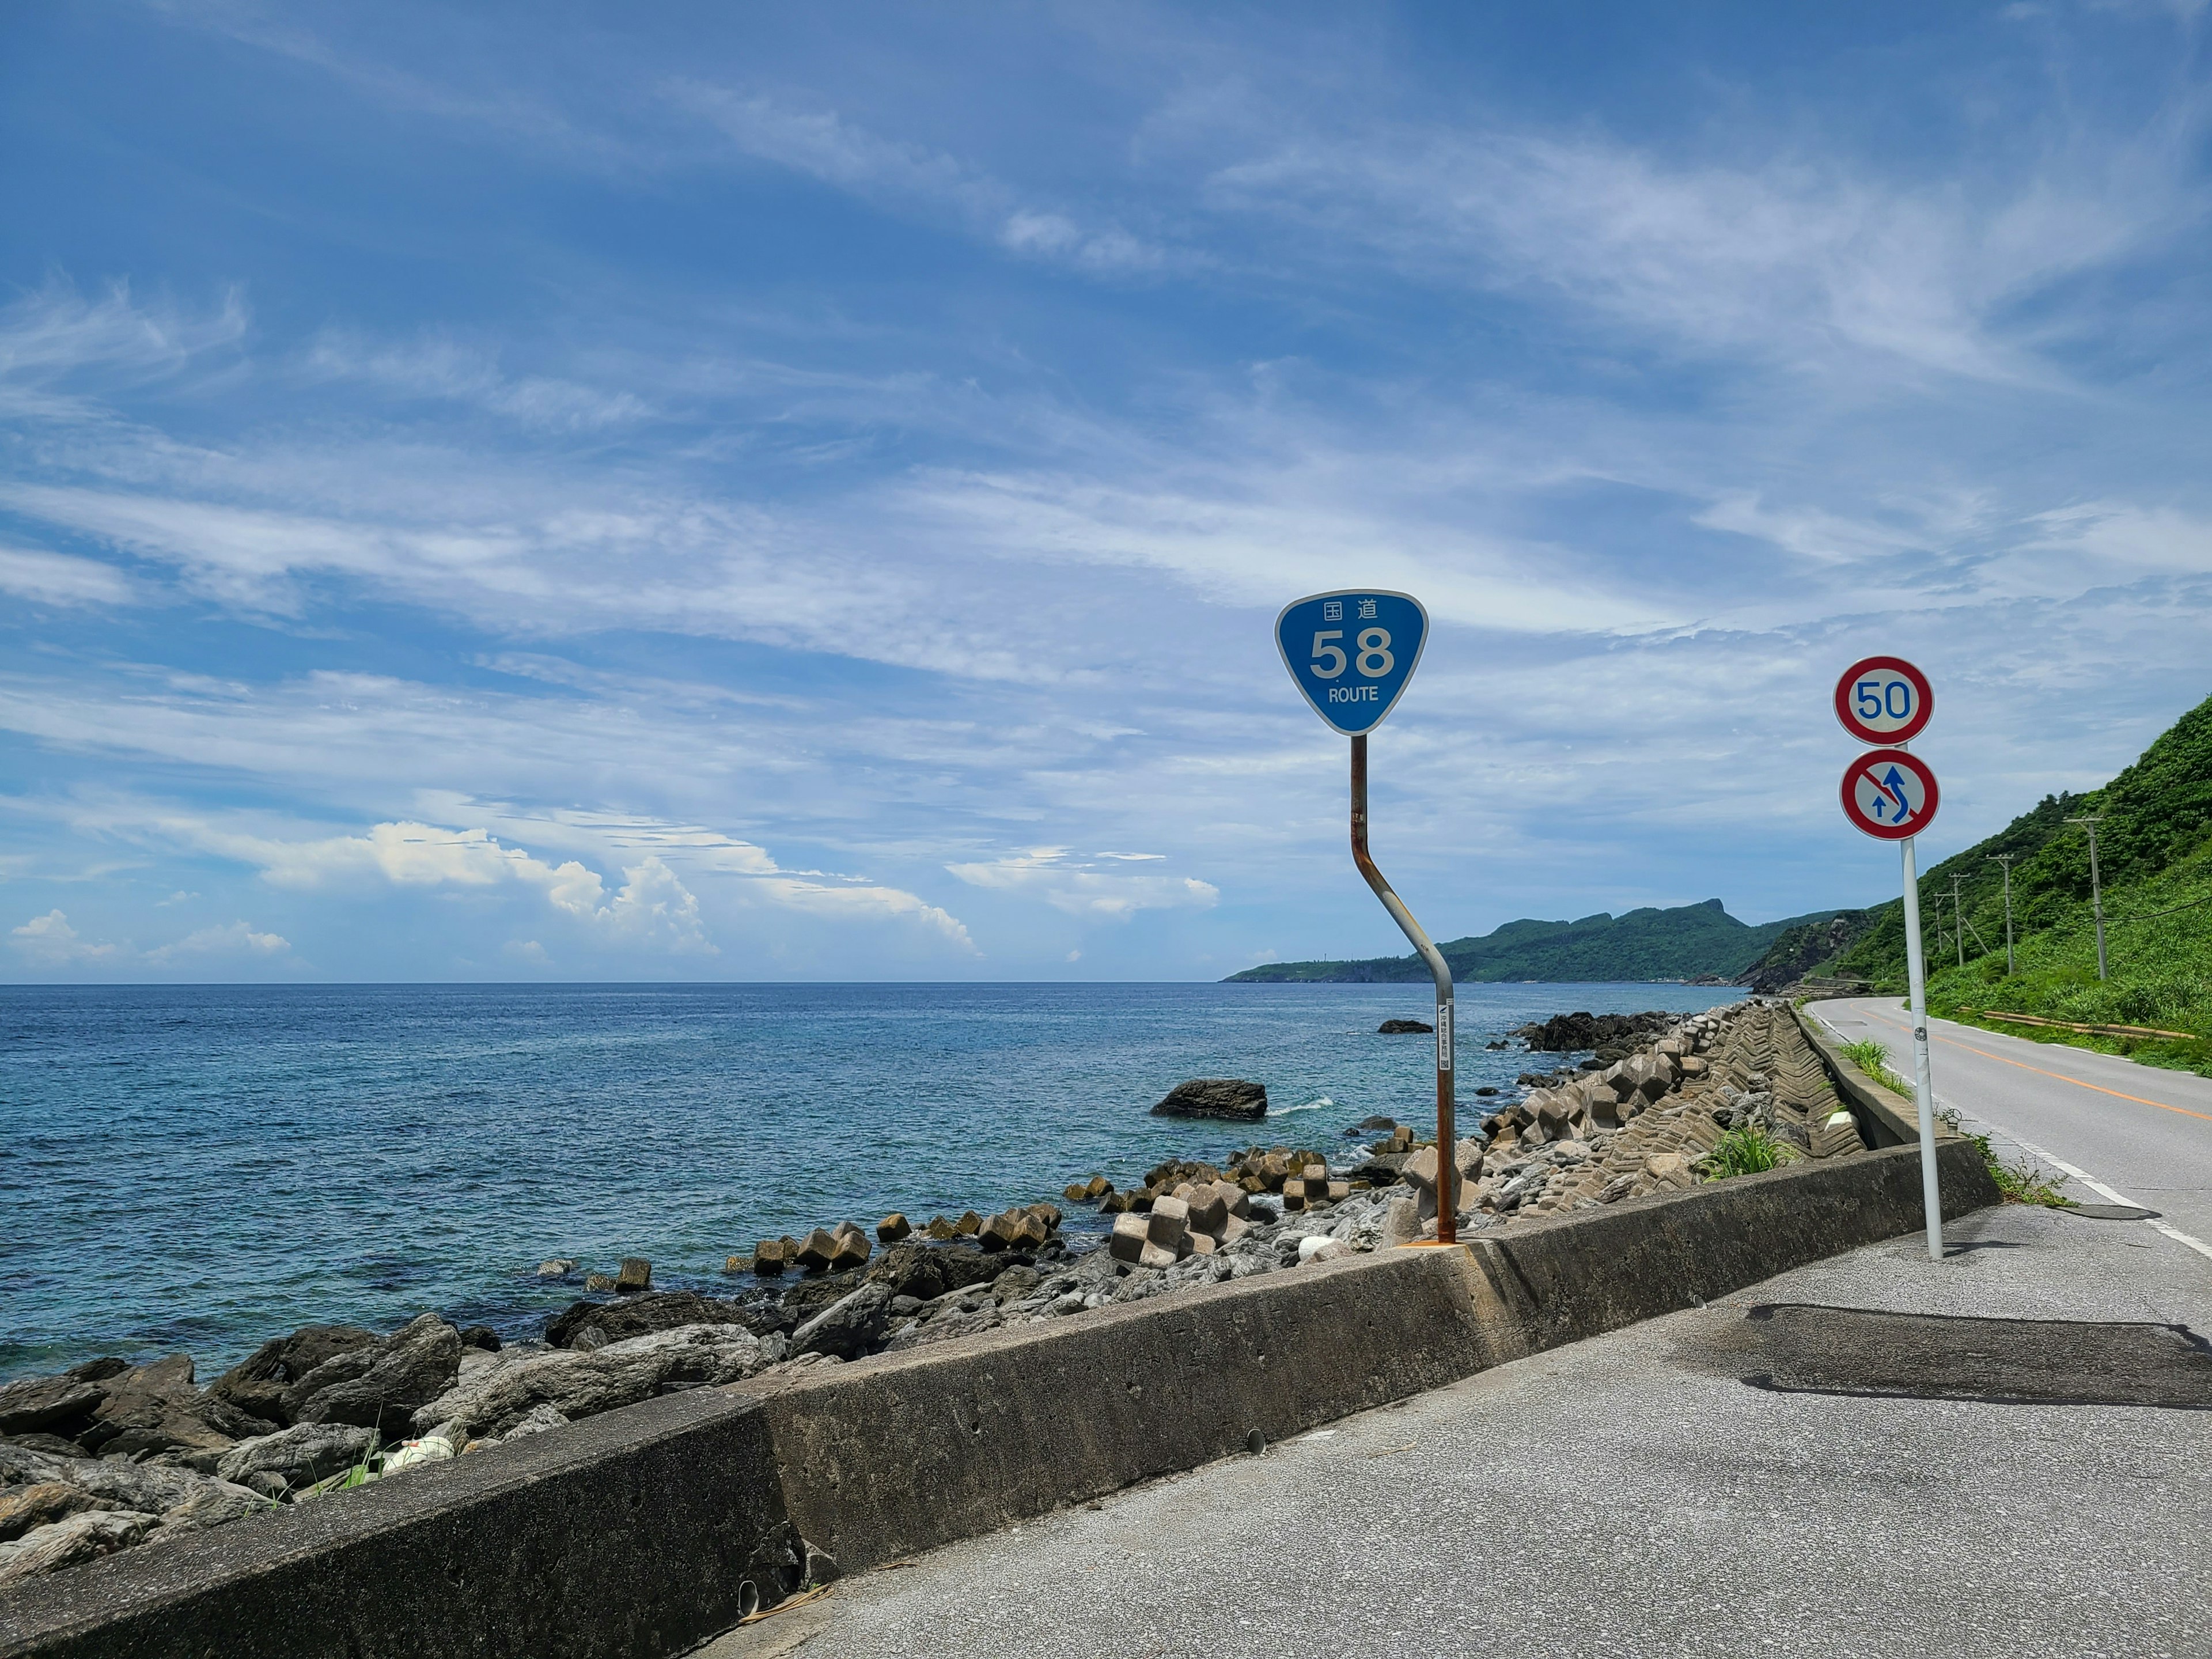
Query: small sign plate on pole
<point x="1351" y="653"/>
<point x="1884" y="700"/>
<point x="1890" y="794"/>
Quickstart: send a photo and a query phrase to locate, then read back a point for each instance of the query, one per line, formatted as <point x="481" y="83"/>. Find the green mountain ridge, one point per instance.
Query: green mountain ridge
<point x="1688" y="941"/>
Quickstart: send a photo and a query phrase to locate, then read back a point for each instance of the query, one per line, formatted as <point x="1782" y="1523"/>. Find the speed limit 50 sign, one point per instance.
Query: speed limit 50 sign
<point x="1884" y="700"/>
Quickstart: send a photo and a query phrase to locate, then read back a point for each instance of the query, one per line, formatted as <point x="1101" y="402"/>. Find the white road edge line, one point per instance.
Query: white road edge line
<point x="2066" y="1169"/>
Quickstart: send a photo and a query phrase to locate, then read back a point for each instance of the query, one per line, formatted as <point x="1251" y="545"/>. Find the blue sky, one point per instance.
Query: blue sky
<point x="693" y="491"/>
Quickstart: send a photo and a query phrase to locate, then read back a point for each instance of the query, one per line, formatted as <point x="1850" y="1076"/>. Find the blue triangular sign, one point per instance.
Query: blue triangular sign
<point x="1353" y="652"/>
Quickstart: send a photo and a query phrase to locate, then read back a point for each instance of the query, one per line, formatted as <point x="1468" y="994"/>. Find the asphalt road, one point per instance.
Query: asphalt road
<point x="1631" y="1495"/>
<point x="2143" y="1134"/>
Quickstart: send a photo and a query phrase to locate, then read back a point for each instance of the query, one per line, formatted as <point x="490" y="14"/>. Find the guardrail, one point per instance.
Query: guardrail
<point x="2089" y="1030"/>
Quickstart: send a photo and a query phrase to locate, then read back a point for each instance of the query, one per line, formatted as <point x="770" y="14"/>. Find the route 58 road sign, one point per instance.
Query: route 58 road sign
<point x="1351" y="653"/>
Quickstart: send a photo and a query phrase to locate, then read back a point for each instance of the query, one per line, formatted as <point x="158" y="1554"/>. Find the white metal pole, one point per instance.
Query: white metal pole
<point x="1923" y="1083"/>
<point x="2097" y="899"/>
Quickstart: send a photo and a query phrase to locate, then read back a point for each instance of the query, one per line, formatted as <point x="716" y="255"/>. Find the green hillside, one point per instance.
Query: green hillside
<point x="1690" y="941"/>
<point x="2154" y="848"/>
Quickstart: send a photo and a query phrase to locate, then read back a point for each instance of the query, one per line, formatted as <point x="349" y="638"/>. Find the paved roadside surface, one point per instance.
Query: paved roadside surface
<point x="1633" y="1495"/>
<point x="2143" y="1134"/>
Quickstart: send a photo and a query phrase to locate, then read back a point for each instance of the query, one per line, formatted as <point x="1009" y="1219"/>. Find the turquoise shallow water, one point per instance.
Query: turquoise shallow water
<point x="200" y="1167"/>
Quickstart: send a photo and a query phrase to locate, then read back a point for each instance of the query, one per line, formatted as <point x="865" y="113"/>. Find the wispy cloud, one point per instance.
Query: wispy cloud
<point x="1078" y="886"/>
<point x="58" y="335"/>
<point x="444" y="369"/>
<point x="910" y="178"/>
<point x="57" y="579"/>
<point x="1788" y="258"/>
<point x="239" y="937"/>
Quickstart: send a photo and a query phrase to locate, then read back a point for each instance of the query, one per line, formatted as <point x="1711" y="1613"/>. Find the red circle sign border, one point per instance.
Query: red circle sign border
<point x="1913" y="762"/>
<point x="1921" y="688"/>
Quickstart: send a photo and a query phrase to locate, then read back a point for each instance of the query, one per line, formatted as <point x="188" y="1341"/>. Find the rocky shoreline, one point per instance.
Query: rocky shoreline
<point x="108" y="1456"/>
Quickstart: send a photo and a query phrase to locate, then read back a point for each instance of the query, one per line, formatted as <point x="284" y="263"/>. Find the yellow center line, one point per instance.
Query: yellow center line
<point x="2060" y="1076"/>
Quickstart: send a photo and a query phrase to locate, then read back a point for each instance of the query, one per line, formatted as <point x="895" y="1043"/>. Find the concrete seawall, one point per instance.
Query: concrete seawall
<point x="1886" y="1118"/>
<point x="642" y="1531"/>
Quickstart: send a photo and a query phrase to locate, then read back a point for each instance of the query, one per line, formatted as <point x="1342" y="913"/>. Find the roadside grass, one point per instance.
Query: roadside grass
<point x="1745" y="1150"/>
<point x="2020" y="1183"/>
<point x="2160" y="974"/>
<point x="1873" y="1058"/>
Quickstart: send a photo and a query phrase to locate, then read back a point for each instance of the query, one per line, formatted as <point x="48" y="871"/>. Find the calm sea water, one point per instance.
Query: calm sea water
<point x="197" y="1169"/>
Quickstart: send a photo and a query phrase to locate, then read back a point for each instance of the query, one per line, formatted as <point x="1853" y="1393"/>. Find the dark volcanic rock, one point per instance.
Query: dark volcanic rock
<point x="850" y="1327"/>
<point x="1404" y="1028"/>
<point x="52" y="1444"/>
<point x="926" y="1272"/>
<point x="642" y="1316"/>
<point x="415" y="1367"/>
<point x="1382" y="1169"/>
<point x="810" y="1296"/>
<point x="258" y="1384"/>
<point x="155" y="1408"/>
<point x="49" y="1404"/>
<point x="1215" y="1096"/>
<point x="1564" y="1033"/>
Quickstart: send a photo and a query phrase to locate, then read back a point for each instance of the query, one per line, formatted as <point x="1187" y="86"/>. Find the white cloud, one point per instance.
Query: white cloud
<point x="653" y="907"/>
<point x="57" y="579"/>
<point x="813" y="892"/>
<point x="1257" y="532"/>
<point x="50" y="941"/>
<point x="1785" y="258"/>
<point x="822" y="144"/>
<point x="239" y="937"/>
<point x="57" y="335"/>
<point x="446" y="369"/>
<point x="1073" y="886"/>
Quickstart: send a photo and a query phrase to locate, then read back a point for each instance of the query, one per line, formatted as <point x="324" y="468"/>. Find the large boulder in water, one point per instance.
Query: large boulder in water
<point x="1566" y="1034"/>
<point x="1215" y="1096"/>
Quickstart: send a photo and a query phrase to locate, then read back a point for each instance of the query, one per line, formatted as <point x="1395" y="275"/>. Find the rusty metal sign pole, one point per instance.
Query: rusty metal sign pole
<point x="1447" y="1142"/>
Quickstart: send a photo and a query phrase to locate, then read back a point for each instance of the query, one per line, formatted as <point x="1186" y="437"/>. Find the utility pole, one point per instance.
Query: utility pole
<point x="2096" y="888"/>
<point x="2006" y="858"/>
<point x="1958" y="932"/>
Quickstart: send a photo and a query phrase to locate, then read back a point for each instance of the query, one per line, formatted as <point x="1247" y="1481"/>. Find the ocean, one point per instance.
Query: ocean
<point x="196" y="1168"/>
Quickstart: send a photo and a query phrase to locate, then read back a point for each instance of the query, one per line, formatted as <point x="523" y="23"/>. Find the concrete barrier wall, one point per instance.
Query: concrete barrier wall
<point x="1886" y="1118"/>
<point x="636" y="1533"/>
<point x="632" y="1534"/>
